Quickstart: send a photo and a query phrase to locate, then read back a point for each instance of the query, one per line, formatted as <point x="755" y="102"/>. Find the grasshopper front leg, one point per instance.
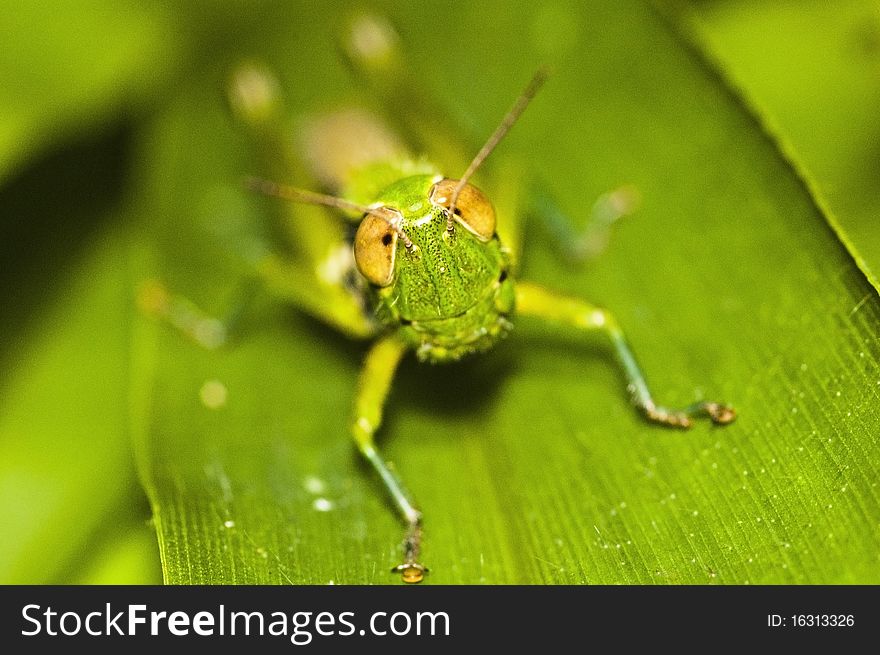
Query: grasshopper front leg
<point x="533" y="300"/>
<point x="375" y="381"/>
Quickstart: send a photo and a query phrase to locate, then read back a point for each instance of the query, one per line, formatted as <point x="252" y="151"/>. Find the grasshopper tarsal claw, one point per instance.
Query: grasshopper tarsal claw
<point x="410" y="572"/>
<point x="718" y="413"/>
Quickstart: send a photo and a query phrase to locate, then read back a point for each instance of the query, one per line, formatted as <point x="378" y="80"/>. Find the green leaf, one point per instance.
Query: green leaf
<point x="66" y="471"/>
<point x="68" y="68"/>
<point x="812" y="70"/>
<point x="126" y="556"/>
<point x="528" y="462"/>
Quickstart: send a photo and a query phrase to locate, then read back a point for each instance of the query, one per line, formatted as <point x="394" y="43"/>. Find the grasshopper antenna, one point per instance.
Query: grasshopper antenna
<point x="294" y="194"/>
<point x="507" y="122"/>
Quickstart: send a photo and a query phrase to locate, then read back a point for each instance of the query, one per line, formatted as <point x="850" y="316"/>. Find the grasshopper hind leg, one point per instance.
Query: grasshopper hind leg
<point x="210" y="332"/>
<point x="328" y="301"/>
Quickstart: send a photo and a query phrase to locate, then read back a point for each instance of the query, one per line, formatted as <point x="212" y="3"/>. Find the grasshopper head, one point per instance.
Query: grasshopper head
<point x="404" y="215"/>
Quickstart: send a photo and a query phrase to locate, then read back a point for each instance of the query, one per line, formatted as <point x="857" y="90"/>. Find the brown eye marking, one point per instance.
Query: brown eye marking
<point x="375" y="245"/>
<point x="472" y="210"/>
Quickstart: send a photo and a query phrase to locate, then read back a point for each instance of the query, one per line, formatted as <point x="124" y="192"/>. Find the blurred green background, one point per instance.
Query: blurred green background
<point x="749" y="273"/>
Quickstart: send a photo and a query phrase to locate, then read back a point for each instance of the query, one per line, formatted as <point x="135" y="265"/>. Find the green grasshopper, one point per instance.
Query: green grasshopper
<point x="429" y="270"/>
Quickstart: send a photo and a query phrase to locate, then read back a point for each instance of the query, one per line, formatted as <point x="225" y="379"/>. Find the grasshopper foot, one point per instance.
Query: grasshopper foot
<point x="410" y="572"/>
<point x="718" y="413"/>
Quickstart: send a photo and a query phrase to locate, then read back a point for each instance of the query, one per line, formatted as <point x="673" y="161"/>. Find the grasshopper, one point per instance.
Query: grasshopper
<point x="432" y="267"/>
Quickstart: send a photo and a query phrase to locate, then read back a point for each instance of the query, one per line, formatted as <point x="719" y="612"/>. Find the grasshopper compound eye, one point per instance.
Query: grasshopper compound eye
<point x="375" y="245"/>
<point x="472" y="209"/>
